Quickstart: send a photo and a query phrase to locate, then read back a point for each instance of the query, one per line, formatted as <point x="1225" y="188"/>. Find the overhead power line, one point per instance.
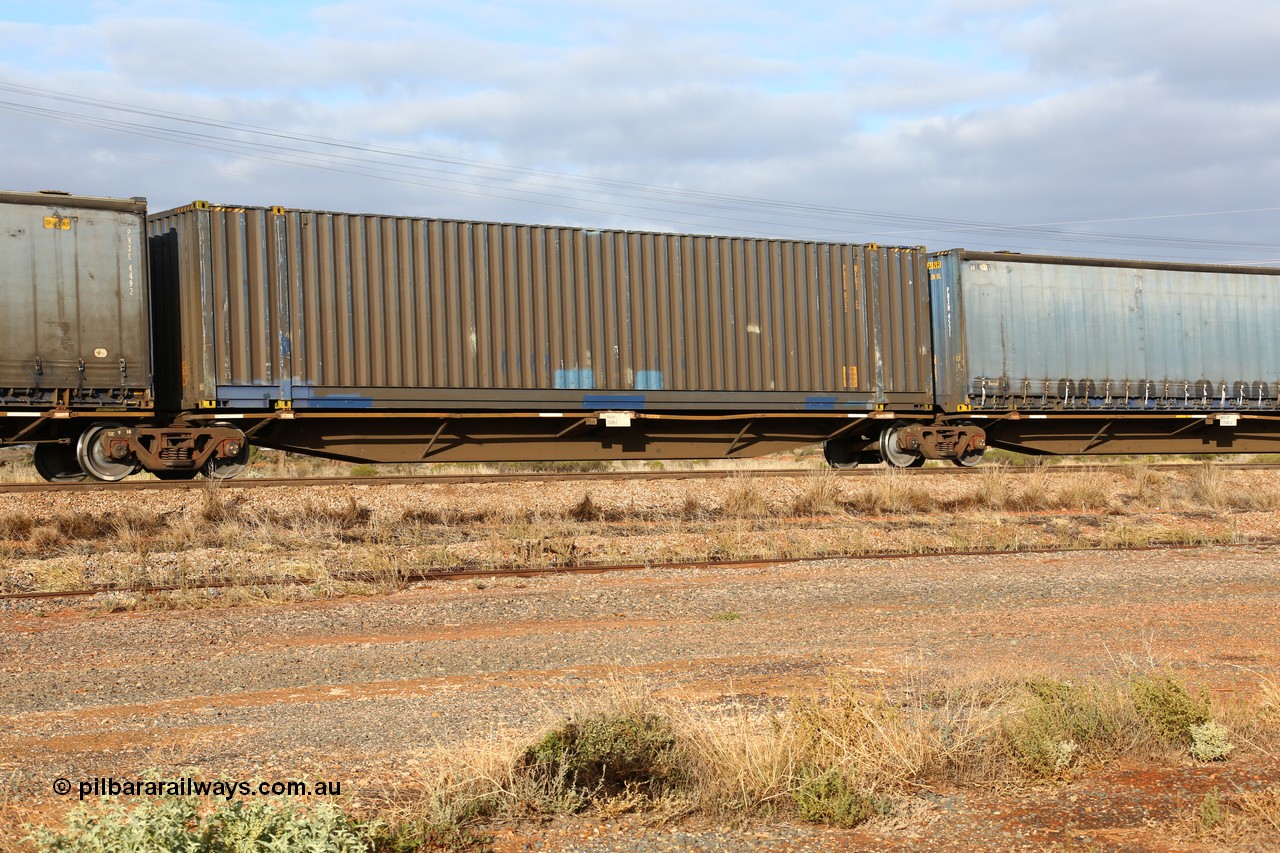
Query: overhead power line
<point x="672" y="205"/>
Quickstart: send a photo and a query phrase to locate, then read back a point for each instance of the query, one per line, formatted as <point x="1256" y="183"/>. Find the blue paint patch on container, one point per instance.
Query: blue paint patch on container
<point x="613" y="401"/>
<point x="649" y="380"/>
<point x="304" y="398"/>
<point x="574" y="379"/>
<point x="334" y="402"/>
<point x="820" y="404"/>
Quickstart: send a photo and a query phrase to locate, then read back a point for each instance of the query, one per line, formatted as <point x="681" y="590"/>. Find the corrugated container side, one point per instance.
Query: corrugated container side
<point x="73" y="300"/>
<point x="1061" y="333"/>
<point x="349" y="311"/>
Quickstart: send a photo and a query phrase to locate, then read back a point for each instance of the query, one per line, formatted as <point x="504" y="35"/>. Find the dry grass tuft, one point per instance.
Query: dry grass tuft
<point x="1085" y="491"/>
<point x="1150" y="487"/>
<point x="216" y="507"/>
<point x="82" y="526"/>
<point x="746" y="499"/>
<point x="16" y="525"/>
<point x="1245" y="820"/>
<point x="1209" y="487"/>
<point x="693" y="509"/>
<point x="822" y="496"/>
<point x="585" y="510"/>
<point x="839" y="756"/>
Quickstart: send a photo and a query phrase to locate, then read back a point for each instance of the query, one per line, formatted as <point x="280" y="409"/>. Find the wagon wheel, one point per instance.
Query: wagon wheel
<point x="93" y="456"/>
<point x="57" y="463"/>
<point x="969" y="458"/>
<point x="840" y="456"/>
<point x="895" y="457"/>
<point x="224" y="468"/>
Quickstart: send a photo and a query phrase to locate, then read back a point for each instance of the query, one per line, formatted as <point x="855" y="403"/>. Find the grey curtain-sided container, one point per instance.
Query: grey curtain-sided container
<point x="1075" y="334"/>
<point x="74" y="312"/>
<point x="346" y="311"/>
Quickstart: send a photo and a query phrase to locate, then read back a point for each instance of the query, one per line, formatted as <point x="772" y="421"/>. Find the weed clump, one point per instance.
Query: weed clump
<point x="16" y="525"/>
<point x="892" y="492"/>
<point x="176" y="824"/>
<point x="1167" y="708"/>
<point x="1059" y="724"/>
<point x="1210" y="812"/>
<point x="692" y="509"/>
<point x="217" y="508"/>
<point x="822" y="497"/>
<point x="601" y="757"/>
<point x="746" y="500"/>
<point x="585" y="510"/>
<point x="830" y="799"/>
<point x="84" y="526"/>
<point x="1209" y="742"/>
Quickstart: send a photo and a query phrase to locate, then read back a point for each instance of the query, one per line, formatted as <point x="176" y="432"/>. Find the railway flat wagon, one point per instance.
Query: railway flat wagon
<point x="1089" y="356"/>
<point x="384" y="338"/>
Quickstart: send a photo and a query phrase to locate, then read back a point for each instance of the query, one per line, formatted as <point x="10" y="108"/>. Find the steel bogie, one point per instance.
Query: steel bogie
<point x="110" y="452"/>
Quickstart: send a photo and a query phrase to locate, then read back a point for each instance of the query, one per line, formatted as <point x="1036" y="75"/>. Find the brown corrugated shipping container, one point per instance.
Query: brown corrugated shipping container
<point x="348" y="311"/>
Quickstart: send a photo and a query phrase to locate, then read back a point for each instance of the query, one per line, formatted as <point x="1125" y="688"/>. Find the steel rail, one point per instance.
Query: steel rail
<point x="534" y="571"/>
<point x="602" y="476"/>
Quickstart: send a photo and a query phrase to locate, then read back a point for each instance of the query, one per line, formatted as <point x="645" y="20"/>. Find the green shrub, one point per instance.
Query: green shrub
<point x="1210" y="812"/>
<point x="1060" y="723"/>
<point x="425" y="835"/>
<point x="832" y="800"/>
<point x="163" y="826"/>
<point x="174" y="825"/>
<point x="1209" y="742"/>
<point x="603" y="756"/>
<point x="1167" y="708"/>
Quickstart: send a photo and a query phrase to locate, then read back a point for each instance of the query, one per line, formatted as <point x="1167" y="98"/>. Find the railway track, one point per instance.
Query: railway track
<point x="474" y="573"/>
<point x="591" y="476"/>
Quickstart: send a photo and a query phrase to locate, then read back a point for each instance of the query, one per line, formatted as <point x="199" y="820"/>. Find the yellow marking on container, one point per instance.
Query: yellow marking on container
<point x="59" y="223"/>
<point x="964" y="407"/>
<point x="208" y="404"/>
<point x="284" y="404"/>
<point x="277" y="210"/>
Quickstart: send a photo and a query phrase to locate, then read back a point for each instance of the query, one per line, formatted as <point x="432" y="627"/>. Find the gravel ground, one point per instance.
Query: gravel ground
<point x="359" y="690"/>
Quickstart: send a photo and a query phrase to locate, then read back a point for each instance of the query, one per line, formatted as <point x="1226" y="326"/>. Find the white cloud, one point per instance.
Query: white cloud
<point x="1015" y="111"/>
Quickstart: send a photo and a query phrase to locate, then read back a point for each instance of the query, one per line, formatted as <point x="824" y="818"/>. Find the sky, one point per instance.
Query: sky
<point x="1126" y="128"/>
